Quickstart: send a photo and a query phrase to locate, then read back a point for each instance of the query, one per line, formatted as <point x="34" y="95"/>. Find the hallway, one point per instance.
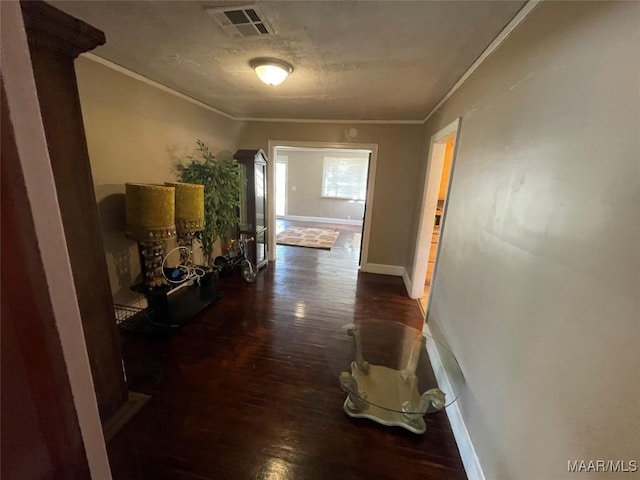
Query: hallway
<point x="243" y="391"/>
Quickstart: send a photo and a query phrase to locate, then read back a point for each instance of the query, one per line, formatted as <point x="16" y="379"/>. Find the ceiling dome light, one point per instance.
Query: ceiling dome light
<point x="271" y="70"/>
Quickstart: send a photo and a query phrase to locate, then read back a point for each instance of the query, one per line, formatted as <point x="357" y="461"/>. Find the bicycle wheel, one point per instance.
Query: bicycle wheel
<point x="249" y="273"/>
<point x="221" y="267"/>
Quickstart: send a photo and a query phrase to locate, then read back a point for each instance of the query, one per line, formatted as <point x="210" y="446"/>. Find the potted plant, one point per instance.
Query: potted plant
<point x="222" y="188"/>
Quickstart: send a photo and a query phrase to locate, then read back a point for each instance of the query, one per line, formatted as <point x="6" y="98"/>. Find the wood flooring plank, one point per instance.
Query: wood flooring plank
<point x="244" y="390"/>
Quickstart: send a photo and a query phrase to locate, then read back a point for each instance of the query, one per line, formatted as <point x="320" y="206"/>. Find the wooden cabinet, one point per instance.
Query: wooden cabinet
<point x="55" y="40"/>
<point x="253" y="204"/>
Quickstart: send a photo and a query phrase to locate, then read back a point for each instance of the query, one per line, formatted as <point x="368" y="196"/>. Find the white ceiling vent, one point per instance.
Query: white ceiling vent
<point x="239" y="22"/>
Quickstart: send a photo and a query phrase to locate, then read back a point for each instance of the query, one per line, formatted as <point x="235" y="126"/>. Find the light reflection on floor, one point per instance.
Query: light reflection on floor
<point x="276" y="469"/>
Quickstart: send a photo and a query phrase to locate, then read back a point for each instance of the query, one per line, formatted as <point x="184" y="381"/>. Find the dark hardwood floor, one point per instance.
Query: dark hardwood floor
<point x="243" y="391"/>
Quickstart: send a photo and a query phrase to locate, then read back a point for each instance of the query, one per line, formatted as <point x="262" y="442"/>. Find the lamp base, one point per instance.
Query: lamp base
<point x="151" y="253"/>
<point x="185" y="239"/>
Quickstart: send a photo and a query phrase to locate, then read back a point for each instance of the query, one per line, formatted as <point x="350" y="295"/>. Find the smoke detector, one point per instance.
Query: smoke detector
<point x="240" y="22"/>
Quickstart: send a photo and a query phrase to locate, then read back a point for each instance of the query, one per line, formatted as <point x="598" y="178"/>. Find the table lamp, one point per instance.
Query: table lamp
<point x="189" y="218"/>
<point x="150" y="221"/>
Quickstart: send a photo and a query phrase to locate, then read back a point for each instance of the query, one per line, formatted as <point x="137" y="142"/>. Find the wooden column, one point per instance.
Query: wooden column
<point x="55" y="40"/>
<point x="39" y="430"/>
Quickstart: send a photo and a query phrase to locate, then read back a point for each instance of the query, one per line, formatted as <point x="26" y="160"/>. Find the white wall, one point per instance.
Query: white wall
<point x="538" y="283"/>
<point x="305" y="173"/>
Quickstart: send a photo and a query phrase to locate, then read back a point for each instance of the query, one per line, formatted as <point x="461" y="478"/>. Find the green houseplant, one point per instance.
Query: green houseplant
<point x="222" y="186"/>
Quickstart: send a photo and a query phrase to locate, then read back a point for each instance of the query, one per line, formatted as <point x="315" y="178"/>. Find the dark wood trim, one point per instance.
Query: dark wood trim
<point x="40" y="434"/>
<point x="55" y="39"/>
<point x="249" y="159"/>
<point x="55" y="30"/>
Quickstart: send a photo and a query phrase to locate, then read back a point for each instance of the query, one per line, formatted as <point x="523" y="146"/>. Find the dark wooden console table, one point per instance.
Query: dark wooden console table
<point x="170" y="308"/>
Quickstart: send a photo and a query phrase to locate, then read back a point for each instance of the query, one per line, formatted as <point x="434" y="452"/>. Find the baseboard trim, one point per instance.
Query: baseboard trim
<point x="407" y="282"/>
<point x="393" y="270"/>
<point x="338" y="221"/>
<point x="468" y="454"/>
<point x="467" y="451"/>
<point x="132" y="406"/>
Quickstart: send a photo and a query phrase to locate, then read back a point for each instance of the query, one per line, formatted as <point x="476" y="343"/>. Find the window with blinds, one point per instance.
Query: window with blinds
<point x="345" y="178"/>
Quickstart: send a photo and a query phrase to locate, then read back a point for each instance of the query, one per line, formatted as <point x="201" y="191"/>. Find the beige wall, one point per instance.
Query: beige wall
<point x="137" y="133"/>
<point x="304" y="173"/>
<point x="537" y="287"/>
<point x="399" y="154"/>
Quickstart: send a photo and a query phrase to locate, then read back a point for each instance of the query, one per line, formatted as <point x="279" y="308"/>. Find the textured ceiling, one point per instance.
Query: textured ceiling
<point x="353" y="60"/>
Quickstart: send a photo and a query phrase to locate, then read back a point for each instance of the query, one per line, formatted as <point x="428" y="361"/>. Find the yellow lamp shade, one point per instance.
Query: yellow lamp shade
<point x="150" y="212"/>
<point x="189" y="206"/>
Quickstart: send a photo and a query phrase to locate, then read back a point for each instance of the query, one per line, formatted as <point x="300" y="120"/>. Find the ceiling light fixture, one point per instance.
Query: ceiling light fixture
<point x="271" y="70"/>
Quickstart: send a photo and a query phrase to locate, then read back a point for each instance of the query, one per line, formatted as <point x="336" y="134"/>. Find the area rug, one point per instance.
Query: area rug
<point x="308" y="237"/>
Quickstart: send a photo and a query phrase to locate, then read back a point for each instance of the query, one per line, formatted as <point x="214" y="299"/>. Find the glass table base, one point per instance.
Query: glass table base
<point x="385" y="369"/>
<point x="397" y="389"/>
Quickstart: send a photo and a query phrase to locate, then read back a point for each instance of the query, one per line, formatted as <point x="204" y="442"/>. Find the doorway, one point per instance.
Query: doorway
<point x="280" y="184"/>
<point x="343" y="209"/>
<point x="433" y="213"/>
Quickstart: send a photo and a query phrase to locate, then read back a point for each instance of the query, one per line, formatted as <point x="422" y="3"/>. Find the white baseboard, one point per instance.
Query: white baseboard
<point x="470" y="460"/>
<point x="338" y="221"/>
<point x="393" y="270"/>
<point x="407" y="281"/>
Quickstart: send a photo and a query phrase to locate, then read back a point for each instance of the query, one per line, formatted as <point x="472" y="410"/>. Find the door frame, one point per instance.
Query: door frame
<point x="271" y="190"/>
<point x="286" y="182"/>
<point x="431" y="188"/>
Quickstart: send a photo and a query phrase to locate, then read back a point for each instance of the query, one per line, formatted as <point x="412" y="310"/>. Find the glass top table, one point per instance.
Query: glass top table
<point x="385" y="368"/>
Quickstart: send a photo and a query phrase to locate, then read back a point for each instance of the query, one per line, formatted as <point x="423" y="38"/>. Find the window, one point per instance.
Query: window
<point x="345" y="178"/>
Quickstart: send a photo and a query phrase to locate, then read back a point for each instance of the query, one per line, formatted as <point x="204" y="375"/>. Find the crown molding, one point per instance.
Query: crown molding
<point x="129" y="73"/>
<point x="341" y="121"/>
<point x="287" y="148"/>
<point x="501" y="37"/>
